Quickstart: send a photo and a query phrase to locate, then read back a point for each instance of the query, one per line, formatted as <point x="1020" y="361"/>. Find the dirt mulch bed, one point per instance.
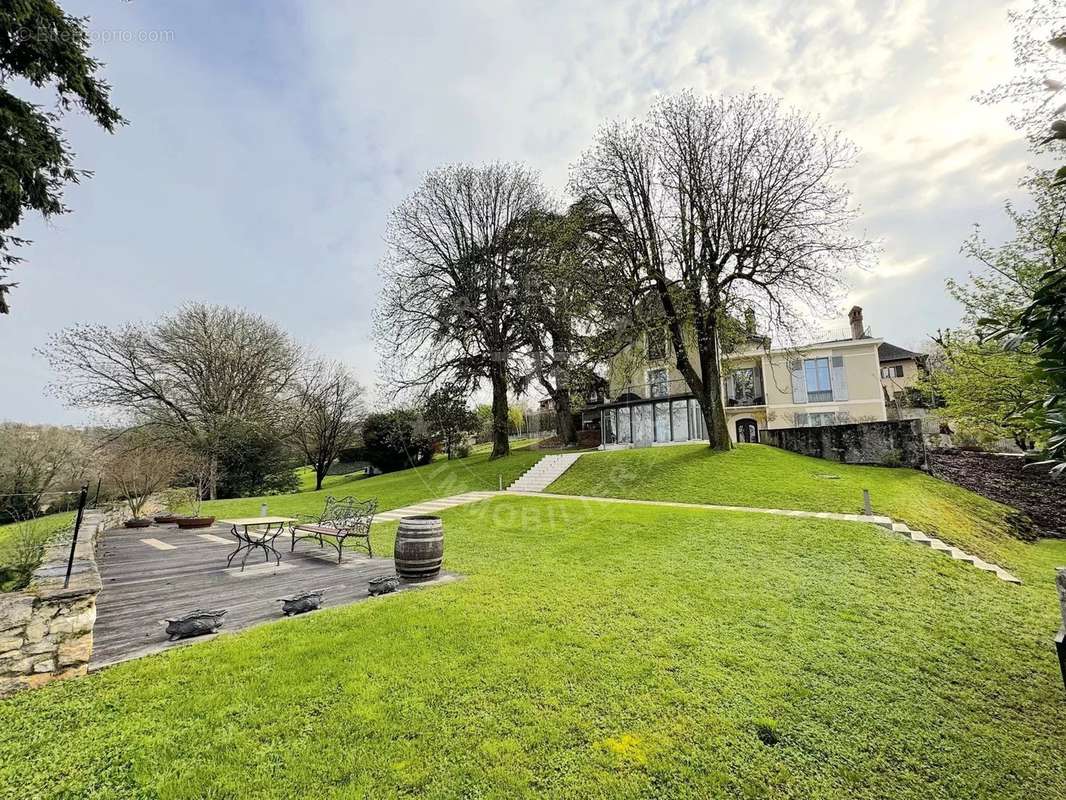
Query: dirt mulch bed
<point x="1041" y="500"/>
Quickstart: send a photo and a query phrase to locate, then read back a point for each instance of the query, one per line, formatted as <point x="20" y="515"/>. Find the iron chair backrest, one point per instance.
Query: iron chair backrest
<point x="348" y="513"/>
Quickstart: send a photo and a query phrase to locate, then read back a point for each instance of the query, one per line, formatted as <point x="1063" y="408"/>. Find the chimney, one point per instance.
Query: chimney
<point x="855" y="318"/>
<point x="749" y="321"/>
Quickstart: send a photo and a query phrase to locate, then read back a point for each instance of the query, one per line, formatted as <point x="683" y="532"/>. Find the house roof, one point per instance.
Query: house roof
<point x="887" y="351"/>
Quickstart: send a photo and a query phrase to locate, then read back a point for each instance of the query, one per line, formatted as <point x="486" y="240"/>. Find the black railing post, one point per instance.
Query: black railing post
<point x="77" y="527"/>
<point x="96" y="497"/>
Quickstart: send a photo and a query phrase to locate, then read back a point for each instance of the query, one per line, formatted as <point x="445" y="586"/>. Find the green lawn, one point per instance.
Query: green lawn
<point x="395" y="489"/>
<point x="592" y="652"/>
<point x="47" y="523"/>
<point x="306" y="477"/>
<point x="762" y="476"/>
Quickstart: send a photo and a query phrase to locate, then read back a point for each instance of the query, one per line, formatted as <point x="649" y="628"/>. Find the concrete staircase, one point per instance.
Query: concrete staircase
<point x="954" y="552"/>
<point x="543" y="473"/>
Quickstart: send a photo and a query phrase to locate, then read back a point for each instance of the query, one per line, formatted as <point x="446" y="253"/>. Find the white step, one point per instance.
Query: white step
<point x="543" y="473"/>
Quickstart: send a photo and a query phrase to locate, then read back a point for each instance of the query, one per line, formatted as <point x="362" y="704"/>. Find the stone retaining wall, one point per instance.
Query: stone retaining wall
<point x="46" y="630"/>
<point x="892" y="444"/>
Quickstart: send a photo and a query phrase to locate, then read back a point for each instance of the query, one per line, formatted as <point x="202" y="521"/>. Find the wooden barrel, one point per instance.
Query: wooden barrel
<point x="419" y="548"/>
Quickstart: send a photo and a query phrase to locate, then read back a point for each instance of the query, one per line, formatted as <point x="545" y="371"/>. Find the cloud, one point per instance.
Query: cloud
<point x="266" y="148"/>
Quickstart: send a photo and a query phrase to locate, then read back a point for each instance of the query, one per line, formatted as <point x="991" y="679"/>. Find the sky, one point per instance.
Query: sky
<point x="268" y="143"/>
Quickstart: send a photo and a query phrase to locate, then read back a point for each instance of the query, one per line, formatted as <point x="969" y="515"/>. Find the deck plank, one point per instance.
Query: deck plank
<point x="142" y="585"/>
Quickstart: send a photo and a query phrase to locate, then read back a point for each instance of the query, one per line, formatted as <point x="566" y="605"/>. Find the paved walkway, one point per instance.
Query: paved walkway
<point x="434" y="506"/>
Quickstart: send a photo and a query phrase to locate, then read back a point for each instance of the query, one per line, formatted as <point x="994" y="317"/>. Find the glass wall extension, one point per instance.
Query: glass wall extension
<point x="651" y="422"/>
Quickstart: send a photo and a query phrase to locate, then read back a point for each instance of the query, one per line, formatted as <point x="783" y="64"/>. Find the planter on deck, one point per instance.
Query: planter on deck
<point x="186" y="523"/>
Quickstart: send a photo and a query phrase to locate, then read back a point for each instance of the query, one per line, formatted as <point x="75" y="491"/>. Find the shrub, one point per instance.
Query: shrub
<point x="892" y="458"/>
<point x="391" y="441"/>
<point x="21" y="552"/>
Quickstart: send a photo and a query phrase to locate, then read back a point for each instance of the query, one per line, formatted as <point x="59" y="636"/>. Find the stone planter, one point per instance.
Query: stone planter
<point x="165" y="519"/>
<point x="137" y="522"/>
<point x="188" y="523"/>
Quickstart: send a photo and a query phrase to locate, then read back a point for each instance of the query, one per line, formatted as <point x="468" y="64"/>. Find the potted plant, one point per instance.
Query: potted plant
<point x="138" y="470"/>
<point x="199" y="473"/>
<point x="177" y="503"/>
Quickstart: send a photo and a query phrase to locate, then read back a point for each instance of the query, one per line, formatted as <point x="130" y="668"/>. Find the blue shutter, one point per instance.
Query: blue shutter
<point x="839" y="378"/>
<point x="799" y="381"/>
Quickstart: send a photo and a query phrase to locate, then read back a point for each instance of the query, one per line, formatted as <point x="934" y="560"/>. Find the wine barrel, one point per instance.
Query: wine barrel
<point x="419" y="548"/>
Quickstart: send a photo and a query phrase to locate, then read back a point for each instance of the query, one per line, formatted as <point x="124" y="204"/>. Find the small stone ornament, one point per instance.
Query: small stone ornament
<point x="195" y="623"/>
<point x="302" y="602"/>
<point x="384" y="584"/>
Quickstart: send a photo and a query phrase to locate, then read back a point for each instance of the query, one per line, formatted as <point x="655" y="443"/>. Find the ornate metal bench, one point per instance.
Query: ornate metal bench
<point x="339" y="521"/>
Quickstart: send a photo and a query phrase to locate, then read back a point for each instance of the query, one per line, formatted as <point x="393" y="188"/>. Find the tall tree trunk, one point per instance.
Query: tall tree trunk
<point x="711" y="404"/>
<point x="501" y="443"/>
<point x="564" y="420"/>
<point x="564" y="417"/>
<point x="212" y="478"/>
<point x="707" y="385"/>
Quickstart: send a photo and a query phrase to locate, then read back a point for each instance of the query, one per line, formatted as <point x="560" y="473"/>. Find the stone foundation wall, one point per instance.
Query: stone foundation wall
<point x="46" y="630"/>
<point x="892" y="444"/>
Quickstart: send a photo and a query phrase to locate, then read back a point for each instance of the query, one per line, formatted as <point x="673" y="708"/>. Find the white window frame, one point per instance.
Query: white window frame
<point x="816" y="394"/>
<point x="652" y="384"/>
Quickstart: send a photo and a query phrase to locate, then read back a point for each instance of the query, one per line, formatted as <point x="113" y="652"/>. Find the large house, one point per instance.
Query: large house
<point x="830" y="382"/>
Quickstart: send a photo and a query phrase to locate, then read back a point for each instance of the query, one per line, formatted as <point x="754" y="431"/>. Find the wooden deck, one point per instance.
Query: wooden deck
<point x="153" y="573"/>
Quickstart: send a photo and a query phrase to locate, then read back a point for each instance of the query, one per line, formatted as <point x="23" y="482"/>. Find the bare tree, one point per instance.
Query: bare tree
<point x="137" y="466"/>
<point x="329" y="413"/>
<point x="720" y="204"/>
<point x="189" y="378"/>
<point x="36" y="461"/>
<point x="457" y="249"/>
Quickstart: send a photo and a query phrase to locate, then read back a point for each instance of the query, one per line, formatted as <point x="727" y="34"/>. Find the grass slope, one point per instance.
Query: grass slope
<point x="762" y="476"/>
<point x="395" y="489"/>
<point x="640" y="653"/>
<point x="306" y="477"/>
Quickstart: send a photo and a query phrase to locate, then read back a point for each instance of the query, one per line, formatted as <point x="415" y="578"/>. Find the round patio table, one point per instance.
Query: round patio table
<point x="256" y="532"/>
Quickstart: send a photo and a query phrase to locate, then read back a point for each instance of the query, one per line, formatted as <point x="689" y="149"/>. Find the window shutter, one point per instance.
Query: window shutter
<point x="839" y="379"/>
<point x="899" y="370"/>
<point x="758" y="384"/>
<point x="801" y="420"/>
<point x="799" y="383"/>
<point x="730" y="387"/>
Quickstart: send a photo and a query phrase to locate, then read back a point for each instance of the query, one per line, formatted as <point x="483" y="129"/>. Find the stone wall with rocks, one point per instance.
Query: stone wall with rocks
<point x="892" y="444"/>
<point x="46" y="629"/>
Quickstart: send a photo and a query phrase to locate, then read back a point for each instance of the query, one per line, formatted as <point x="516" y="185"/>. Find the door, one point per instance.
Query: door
<point x="747" y="430"/>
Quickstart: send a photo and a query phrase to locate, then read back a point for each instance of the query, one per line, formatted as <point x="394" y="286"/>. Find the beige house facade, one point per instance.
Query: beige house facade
<point x="900" y="369"/>
<point x="823" y="383"/>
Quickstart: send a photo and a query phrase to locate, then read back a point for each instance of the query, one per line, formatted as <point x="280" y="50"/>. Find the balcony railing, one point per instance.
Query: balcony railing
<point x="663" y="390"/>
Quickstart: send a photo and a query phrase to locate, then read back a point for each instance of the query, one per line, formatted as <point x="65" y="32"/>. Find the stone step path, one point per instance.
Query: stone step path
<point x="544" y="472"/>
<point x="432" y="506"/>
<point x="884" y="522"/>
<point x="918" y="537"/>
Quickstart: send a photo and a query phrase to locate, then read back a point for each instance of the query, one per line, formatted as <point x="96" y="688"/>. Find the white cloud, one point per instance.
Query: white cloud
<point x="266" y="150"/>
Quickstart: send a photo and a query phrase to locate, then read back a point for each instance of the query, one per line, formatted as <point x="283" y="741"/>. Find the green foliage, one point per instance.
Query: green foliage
<point x="592" y="651"/>
<point x="391" y="441"/>
<point x="255" y="461"/>
<point x="516" y="417"/>
<point x="990" y="391"/>
<point x="405" y="487"/>
<point x="22" y="546"/>
<point x="448" y="417"/>
<point x="44" y="47"/>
